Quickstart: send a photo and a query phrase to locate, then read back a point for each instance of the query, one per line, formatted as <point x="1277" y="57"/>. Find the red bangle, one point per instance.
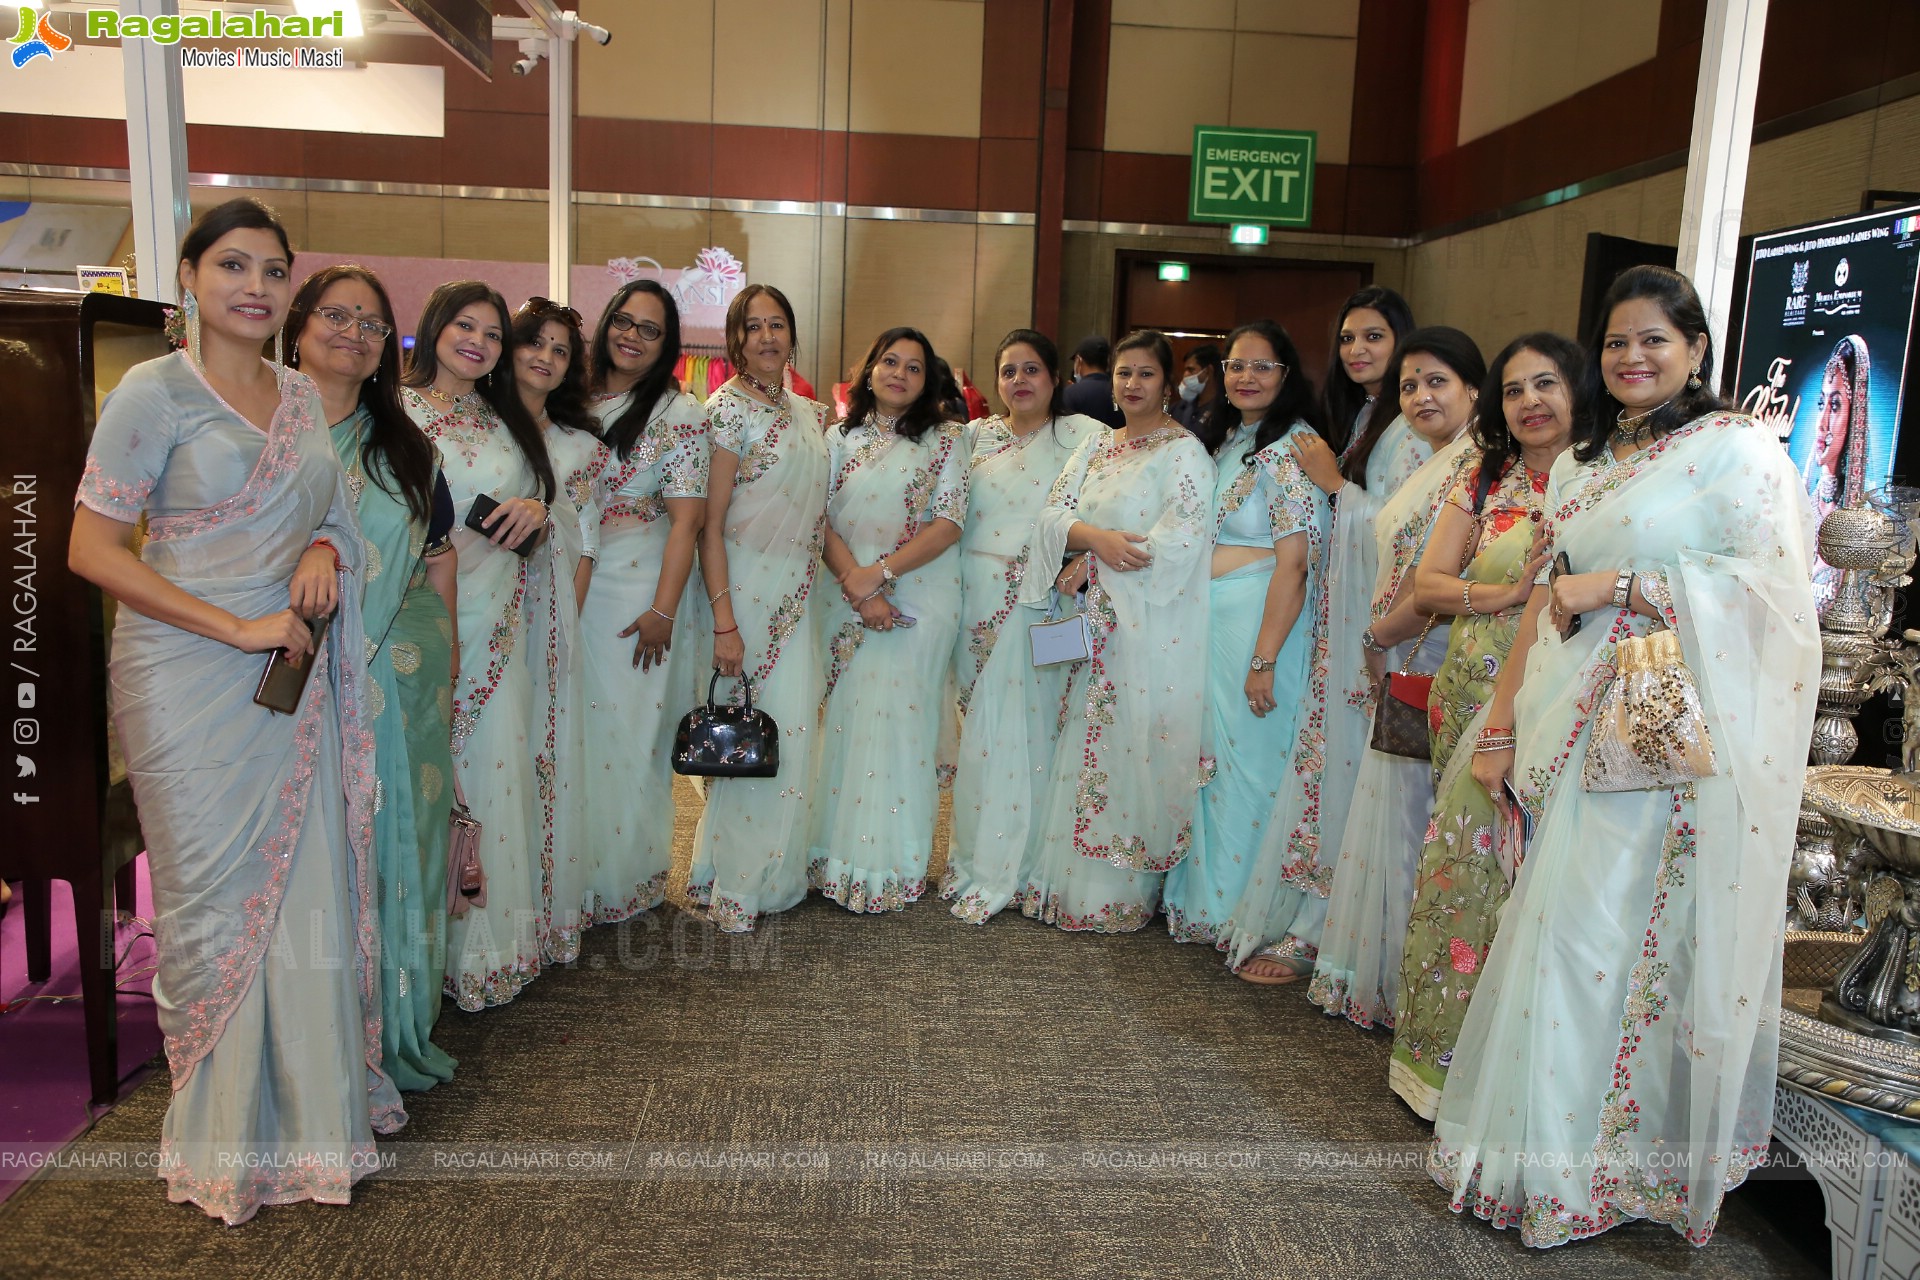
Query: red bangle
<point x="729" y="631"/>
<point x="339" y="565"/>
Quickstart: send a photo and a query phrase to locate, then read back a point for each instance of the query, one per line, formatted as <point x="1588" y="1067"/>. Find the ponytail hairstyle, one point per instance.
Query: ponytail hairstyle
<point x="1676" y="297"/>
<point x="1295" y="401"/>
<point x="920" y="417"/>
<point x="1491" y="432"/>
<point x="624" y="431"/>
<point x="1341" y="396"/>
<point x="496" y="386"/>
<point x="397" y="455"/>
<point x="1455" y="350"/>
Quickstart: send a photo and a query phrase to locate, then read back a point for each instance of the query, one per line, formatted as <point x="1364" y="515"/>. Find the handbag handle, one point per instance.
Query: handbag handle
<point x="746" y="682"/>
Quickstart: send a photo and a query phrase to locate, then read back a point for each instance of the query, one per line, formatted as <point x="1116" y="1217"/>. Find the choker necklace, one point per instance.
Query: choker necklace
<point x="883" y="421"/>
<point x="437" y="394"/>
<point x="1635" y="430"/>
<point x="774" y="392"/>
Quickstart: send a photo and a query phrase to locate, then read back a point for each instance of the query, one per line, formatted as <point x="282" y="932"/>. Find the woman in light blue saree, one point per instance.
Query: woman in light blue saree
<point x="895" y="507"/>
<point x="258" y="825"/>
<point x="759" y="561"/>
<point x="1271" y="528"/>
<point x="340" y="333"/>
<point x="1626" y="1025"/>
<point x="1010" y="708"/>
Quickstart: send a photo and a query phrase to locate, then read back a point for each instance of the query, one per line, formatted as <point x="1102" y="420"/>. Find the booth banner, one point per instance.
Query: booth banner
<point x="1824" y="346"/>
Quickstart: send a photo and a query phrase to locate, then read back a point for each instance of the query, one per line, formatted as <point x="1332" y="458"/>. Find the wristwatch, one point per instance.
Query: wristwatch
<point x="1623" y="589"/>
<point x="1261" y="664"/>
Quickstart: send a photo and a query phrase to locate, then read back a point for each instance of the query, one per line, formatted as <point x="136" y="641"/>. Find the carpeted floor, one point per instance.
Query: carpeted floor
<point x="902" y="1096"/>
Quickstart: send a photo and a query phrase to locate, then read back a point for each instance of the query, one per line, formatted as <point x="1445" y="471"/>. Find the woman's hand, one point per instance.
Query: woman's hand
<point x="653" y="636"/>
<point x="1576" y="593"/>
<point x="513" y="520"/>
<point x="1260" y="692"/>
<point x="283" y="630"/>
<point x="861" y="581"/>
<point x="1319" y="463"/>
<point x="1119" y="549"/>
<point x="1072" y="579"/>
<point x="729" y="654"/>
<point x="315" y="588"/>
<point x="1490" y="770"/>
<point x="875" y="614"/>
<point x="1376" y="668"/>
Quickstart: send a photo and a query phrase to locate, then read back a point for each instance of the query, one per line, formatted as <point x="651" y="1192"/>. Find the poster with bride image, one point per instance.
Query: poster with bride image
<point x="1824" y="350"/>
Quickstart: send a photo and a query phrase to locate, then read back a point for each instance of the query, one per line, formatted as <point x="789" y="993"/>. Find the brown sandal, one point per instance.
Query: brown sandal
<point x="1293" y="968"/>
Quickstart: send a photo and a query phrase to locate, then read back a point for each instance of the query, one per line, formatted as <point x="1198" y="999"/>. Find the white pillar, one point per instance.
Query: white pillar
<point x="559" y="167"/>
<point x="156" y="153"/>
<point x="1717" y="158"/>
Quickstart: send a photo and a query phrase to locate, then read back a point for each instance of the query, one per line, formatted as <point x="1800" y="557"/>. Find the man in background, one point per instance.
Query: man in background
<point x="1092" y="389"/>
<point x="1199" y="386"/>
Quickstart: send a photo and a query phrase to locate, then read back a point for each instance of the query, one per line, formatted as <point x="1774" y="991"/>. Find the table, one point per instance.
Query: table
<point x="1868" y="1168"/>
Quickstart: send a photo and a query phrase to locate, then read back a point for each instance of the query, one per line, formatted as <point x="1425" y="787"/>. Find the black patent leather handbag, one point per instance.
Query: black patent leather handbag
<point x="716" y="741"/>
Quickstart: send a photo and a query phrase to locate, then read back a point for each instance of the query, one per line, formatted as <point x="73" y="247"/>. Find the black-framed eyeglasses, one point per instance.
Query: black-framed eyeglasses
<point x="340" y="321"/>
<point x="621" y="322"/>
<point x="537" y="306"/>
<point x="1258" y="368"/>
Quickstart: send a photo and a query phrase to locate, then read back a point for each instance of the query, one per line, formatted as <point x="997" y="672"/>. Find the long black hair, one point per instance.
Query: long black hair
<point x="567" y="402"/>
<point x="1491" y="432"/>
<point x="1295" y="401"/>
<point x="1341" y="396"/>
<point x="238" y="214"/>
<point x="1677" y="299"/>
<point x="925" y="413"/>
<point x="1049" y="357"/>
<point x="496" y="387"/>
<point x="1455" y="349"/>
<point x="953" y="401"/>
<point x="397" y="455"/>
<point x="622" y="433"/>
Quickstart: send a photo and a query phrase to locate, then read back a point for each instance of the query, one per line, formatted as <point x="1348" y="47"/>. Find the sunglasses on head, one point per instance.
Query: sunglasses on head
<point x="548" y="307"/>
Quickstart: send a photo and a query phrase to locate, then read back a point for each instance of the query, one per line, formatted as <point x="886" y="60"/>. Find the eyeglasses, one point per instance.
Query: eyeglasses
<point x="621" y="322"/>
<point x="339" y="321"/>
<point x="1258" y="368"/>
<point x="537" y="306"/>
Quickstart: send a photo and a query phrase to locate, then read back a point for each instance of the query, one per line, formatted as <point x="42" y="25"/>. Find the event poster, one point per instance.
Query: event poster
<point x="1824" y="346"/>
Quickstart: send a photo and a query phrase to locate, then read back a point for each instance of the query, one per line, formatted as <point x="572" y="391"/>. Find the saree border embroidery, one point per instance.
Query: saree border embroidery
<point x="985" y="634"/>
<point x="279" y="458"/>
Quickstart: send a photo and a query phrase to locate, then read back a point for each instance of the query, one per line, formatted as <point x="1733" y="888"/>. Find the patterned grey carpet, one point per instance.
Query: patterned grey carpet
<point x="889" y="1097"/>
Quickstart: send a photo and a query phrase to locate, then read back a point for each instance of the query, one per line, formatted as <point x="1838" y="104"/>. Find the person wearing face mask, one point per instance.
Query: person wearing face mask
<point x="1273" y="936"/>
<point x="759" y="559"/>
<point x="1270" y="527"/>
<point x="895" y="510"/>
<point x="643" y="629"/>
<point x="340" y="333"/>
<point x="1133" y="512"/>
<point x="1637" y="965"/>
<point x="1010" y="708"/>
<point x="460" y="390"/>
<point x="257" y="825"/>
<point x="1200" y="387"/>
<point x="1435" y="901"/>
<point x="1091" y="392"/>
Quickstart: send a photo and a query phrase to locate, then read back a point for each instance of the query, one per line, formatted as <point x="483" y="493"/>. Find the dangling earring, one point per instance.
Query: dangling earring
<point x="295" y="353"/>
<point x="375" y="377"/>
<point x="1693" y="379"/>
<point x="192" y="308"/>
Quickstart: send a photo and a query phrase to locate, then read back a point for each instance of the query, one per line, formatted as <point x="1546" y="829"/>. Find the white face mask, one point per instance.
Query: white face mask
<point x="1190" y="387"/>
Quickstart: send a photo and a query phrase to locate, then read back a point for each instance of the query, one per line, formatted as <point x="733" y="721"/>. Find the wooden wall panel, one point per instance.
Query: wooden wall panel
<point x="916" y="171"/>
<point x="1012" y="73"/>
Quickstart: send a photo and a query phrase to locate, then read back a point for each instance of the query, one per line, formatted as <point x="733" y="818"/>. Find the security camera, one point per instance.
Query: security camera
<point x="599" y="35"/>
<point x="526" y="66"/>
<point x="531" y="52"/>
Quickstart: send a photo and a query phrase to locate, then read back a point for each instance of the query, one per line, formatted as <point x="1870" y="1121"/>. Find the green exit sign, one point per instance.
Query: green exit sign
<point x="1252" y="175"/>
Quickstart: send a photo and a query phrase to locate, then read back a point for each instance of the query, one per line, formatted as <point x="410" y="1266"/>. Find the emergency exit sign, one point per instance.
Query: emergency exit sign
<point x="1252" y="175"/>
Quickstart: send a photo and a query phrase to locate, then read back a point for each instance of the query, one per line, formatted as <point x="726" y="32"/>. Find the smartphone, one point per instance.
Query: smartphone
<point x="902" y="620"/>
<point x="1561" y="565"/>
<point x="285" y="678"/>
<point x="486" y="504"/>
<point x="1520" y="813"/>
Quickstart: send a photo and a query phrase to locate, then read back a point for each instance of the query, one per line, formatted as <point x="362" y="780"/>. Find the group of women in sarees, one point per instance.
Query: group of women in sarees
<point x="1152" y="663"/>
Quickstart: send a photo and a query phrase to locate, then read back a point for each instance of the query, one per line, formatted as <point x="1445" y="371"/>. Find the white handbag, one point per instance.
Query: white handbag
<point x="1057" y="640"/>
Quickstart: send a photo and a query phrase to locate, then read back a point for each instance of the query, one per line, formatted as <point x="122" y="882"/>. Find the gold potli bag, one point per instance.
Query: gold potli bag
<point x="1649" y="731"/>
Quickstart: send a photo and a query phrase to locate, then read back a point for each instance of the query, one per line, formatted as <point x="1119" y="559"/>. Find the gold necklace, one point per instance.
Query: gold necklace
<point x="443" y="397"/>
<point x="1636" y="432"/>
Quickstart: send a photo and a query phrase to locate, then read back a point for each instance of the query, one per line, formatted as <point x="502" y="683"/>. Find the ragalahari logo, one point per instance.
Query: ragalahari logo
<point x="37" y="38"/>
